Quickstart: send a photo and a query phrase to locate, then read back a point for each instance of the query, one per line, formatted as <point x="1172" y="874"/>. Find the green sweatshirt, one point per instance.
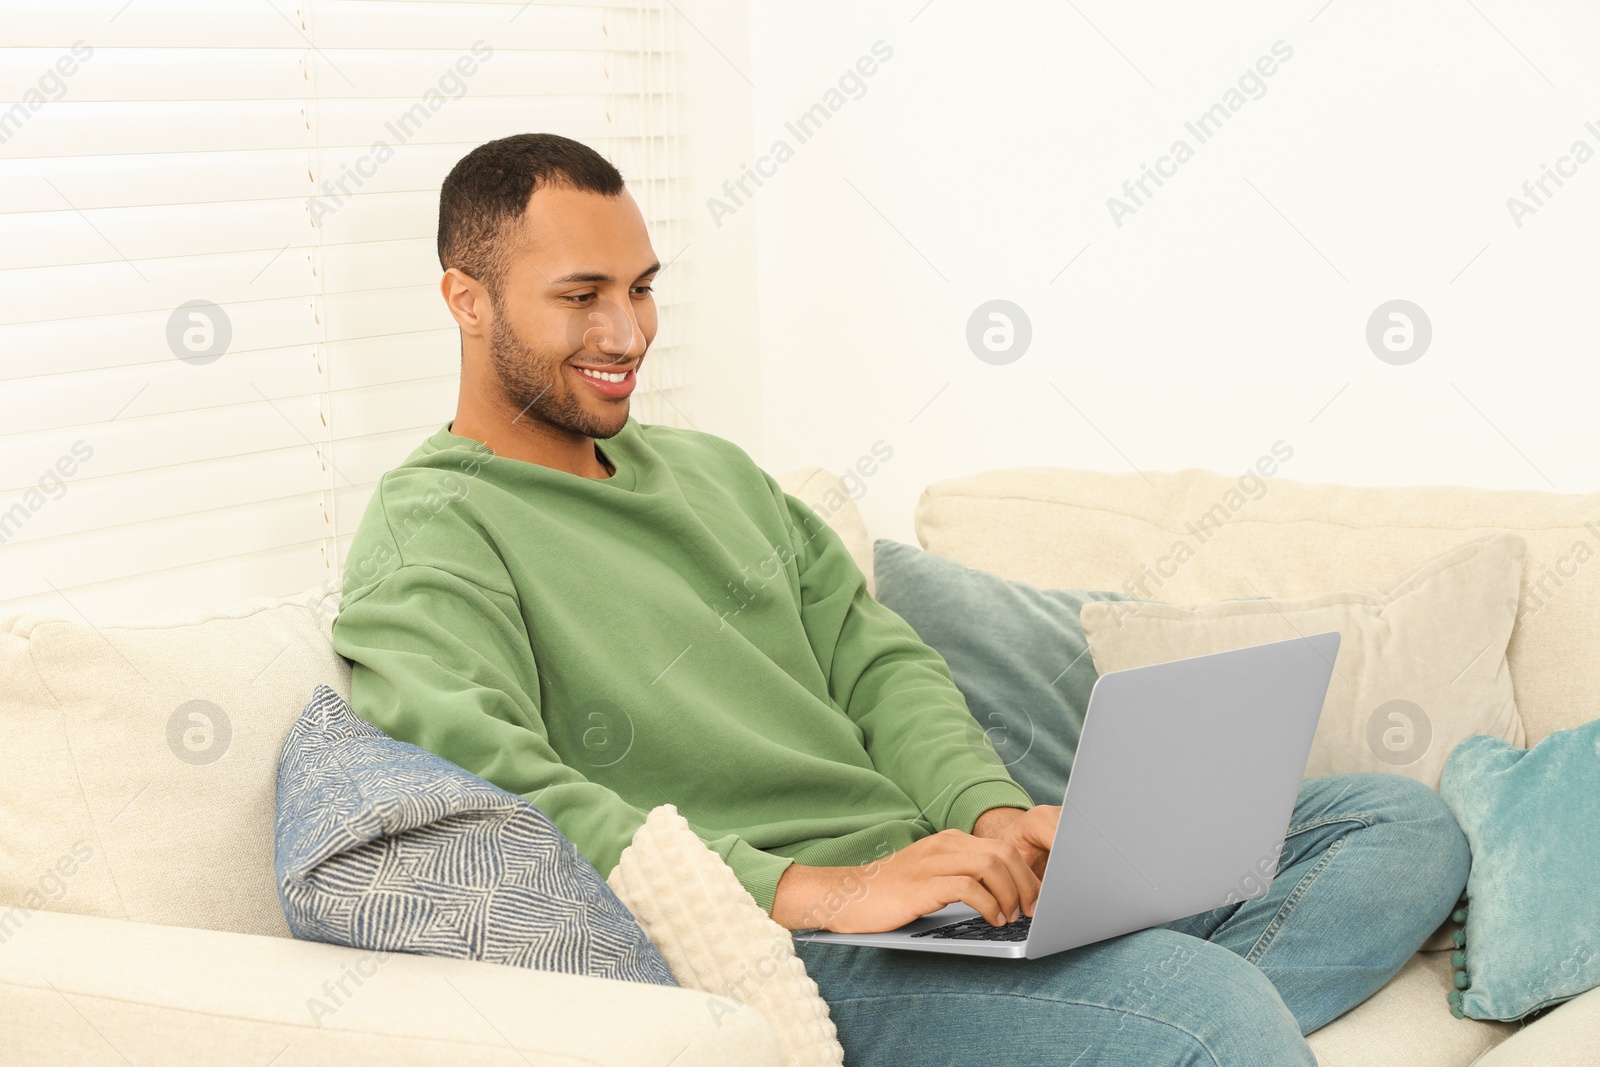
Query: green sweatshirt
<point x="682" y="632"/>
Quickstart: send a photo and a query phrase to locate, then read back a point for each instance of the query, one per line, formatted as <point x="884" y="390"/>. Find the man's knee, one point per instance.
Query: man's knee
<point x="1418" y="807"/>
<point x="1439" y="837"/>
<point x="1222" y="1009"/>
<point x="1414" y="819"/>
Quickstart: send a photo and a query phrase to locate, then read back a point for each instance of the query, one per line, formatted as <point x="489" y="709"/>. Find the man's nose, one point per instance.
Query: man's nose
<point x="613" y="330"/>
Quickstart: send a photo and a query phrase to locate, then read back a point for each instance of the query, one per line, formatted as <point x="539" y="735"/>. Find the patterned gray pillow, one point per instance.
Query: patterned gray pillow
<point x="383" y="845"/>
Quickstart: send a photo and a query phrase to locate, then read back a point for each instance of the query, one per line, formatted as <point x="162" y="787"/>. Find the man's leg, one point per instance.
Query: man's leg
<point x="1373" y="863"/>
<point x="1155" y="998"/>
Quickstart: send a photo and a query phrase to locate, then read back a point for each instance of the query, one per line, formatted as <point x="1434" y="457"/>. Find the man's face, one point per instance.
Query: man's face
<point x="575" y="297"/>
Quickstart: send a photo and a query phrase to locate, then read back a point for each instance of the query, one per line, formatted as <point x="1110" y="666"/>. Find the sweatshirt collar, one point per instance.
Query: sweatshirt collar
<point x="618" y="451"/>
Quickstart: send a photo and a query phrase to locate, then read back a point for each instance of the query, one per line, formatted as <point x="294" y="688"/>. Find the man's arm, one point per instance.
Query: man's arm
<point x="915" y="722"/>
<point x="445" y="663"/>
<point x="917" y="729"/>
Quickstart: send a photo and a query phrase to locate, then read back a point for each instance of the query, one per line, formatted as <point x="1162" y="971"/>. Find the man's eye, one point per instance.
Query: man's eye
<point x="640" y="290"/>
<point x="581" y="297"/>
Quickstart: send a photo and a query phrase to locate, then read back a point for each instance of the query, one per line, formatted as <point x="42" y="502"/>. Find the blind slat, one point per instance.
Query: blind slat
<point x="84" y="503"/>
<point x="119" y="340"/>
<point x="111" y="181"/>
<point x="46" y="402"/>
<point x="163" y="544"/>
<point x="69" y="128"/>
<point x="58" y="292"/>
<point x="190" y="588"/>
<point x="132" y="443"/>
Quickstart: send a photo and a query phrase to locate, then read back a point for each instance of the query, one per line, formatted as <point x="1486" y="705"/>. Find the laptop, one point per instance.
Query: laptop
<point x="1178" y="802"/>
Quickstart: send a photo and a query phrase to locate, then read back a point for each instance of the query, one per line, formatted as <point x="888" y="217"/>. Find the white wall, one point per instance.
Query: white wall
<point x="1228" y="312"/>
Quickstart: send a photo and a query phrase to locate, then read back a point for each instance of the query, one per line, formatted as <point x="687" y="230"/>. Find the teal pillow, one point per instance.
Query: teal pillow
<point x="1532" y="817"/>
<point x="1016" y="653"/>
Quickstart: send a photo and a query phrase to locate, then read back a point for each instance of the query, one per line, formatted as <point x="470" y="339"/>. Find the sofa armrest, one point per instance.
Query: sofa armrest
<point x="87" y="990"/>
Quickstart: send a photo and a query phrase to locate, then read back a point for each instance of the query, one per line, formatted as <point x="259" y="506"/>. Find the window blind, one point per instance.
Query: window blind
<point x="219" y="315"/>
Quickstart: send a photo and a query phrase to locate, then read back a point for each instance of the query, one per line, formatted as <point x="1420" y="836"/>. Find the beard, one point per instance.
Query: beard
<point x="535" y="386"/>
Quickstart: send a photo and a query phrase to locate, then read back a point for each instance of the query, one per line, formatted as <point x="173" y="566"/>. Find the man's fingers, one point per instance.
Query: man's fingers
<point x="973" y="894"/>
<point x="1000" y="867"/>
<point x="995" y="868"/>
<point x="1006" y="877"/>
<point x="1018" y="885"/>
<point x="1039" y="833"/>
<point x="1024" y="877"/>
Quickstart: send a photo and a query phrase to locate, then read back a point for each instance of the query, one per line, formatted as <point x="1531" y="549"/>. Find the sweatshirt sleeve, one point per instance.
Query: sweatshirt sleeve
<point x="445" y="663"/>
<point x="915" y="722"/>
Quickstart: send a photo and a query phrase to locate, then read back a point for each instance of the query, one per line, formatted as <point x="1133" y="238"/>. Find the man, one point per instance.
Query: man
<point x="604" y="628"/>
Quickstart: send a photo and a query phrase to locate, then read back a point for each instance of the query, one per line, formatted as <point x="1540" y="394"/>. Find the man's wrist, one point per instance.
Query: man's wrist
<point x="789" y="897"/>
<point x="994" y="821"/>
<point x="801" y="900"/>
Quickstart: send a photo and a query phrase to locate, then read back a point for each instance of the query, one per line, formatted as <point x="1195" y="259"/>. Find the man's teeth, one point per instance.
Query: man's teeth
<point x="602" y="375"/>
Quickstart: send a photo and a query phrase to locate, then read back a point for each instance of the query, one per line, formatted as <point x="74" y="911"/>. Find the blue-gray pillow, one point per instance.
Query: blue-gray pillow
<point x="1017" y="654"/>
<point x="384" y="845"/>
<point x="1532" y="817"/>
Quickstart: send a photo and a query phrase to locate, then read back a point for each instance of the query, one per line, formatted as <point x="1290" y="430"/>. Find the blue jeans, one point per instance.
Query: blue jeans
<point x="1371" y="866"/>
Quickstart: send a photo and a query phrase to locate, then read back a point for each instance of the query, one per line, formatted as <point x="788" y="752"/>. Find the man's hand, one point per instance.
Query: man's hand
<point x="989" y="876"/>
<point x="1030" y="832"/>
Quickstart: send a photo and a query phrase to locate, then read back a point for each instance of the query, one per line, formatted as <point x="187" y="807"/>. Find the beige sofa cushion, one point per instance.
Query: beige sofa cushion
<point x="1420" y="668"/>
<point x="826" y="495"/>
<point x="78" y="989"/>
<point x="141" y="761"/>
<point x="1569" y="1036"/>
<point x="1406" y="1024"/>
<point x="1090" y="530"/>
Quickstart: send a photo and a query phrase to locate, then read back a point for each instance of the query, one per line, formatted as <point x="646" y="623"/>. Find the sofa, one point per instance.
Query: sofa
<point x="139" y="921"/>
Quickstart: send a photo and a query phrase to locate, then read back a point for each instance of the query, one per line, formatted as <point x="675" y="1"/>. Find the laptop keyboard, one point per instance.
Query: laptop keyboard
<point x="978" y="928"/>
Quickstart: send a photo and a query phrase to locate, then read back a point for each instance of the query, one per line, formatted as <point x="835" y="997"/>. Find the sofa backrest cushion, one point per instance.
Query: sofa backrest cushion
<point x="1420" y="668"/>
<point x="141" y="761"/>
<point x="1194" y="536"/>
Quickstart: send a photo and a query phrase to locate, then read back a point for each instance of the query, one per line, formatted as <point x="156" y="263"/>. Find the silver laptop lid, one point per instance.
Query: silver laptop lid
<point x="1182" y="788"/>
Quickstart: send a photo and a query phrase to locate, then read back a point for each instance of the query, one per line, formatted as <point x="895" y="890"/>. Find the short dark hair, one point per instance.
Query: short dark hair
<point x="490" y="187"/>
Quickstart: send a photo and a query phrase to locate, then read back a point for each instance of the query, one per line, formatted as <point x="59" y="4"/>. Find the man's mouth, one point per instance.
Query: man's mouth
<point x="613" y="376"/>
<point x="613" y="382"/>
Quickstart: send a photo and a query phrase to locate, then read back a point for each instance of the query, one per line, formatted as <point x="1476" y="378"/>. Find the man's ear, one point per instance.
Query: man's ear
<point x="469" y="303"/>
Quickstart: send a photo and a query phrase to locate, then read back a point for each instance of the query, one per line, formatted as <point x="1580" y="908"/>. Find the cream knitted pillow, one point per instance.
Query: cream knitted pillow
<point x="717" y="939"/>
